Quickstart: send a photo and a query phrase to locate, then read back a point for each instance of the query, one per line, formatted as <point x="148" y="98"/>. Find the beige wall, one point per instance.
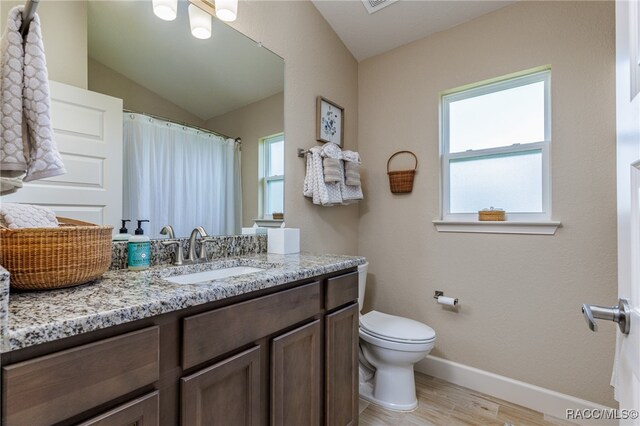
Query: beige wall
<point x="316" y="63"/>
<point x="135" y="97"/>
<point x="251" y="123"/>
<point x="64" y="45"/>
<point x="520" y="295"/>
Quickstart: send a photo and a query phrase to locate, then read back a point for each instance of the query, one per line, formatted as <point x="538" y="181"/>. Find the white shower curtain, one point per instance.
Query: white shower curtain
<point x="180" y="176"/>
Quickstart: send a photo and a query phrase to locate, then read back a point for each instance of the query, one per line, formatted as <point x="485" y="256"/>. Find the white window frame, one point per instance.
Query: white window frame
<point x="464" y="220"/>
<point x="265" y="178"/>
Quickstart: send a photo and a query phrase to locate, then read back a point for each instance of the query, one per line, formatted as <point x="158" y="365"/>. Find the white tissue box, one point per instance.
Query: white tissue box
<point x="254" y="231"/>
<point x="283" y="240"/>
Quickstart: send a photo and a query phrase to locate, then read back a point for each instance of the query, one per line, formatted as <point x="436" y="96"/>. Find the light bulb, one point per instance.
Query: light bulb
<point x="200" y="22"/>
<point x="165" y="9"/>
<point x="227" y="10"/>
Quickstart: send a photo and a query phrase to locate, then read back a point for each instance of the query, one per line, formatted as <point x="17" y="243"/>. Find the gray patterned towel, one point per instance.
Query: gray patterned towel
<point x="24" y="92"/>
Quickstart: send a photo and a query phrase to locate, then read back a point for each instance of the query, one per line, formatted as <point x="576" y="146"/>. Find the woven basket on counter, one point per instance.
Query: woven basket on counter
<point x="48" y="258"/>
<point x="401" y="181"/>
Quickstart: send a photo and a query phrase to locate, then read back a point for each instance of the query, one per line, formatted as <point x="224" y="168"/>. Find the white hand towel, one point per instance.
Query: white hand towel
<point x="322" y="193"/>
<point x="24" y="88"/>
<point x="331" y="150"/>
<point x="351" y="190"/>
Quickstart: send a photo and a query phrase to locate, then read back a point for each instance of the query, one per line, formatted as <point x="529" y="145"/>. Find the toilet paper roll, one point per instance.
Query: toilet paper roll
<point x="444" y="300"/>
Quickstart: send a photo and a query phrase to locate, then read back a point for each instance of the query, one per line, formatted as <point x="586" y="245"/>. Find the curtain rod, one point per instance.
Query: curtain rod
<point x="28" y="13"/>
<point x="180" y="123"/>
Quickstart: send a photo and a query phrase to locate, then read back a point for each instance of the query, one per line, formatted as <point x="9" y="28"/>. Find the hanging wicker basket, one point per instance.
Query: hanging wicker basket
<point x="401" y="181"/>
<point x="48" y="258"/>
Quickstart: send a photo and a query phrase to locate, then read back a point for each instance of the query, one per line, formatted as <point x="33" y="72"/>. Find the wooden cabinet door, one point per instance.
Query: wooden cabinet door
<point x="341" y="367"/>
<point x="139" y="412"/>
<point x="227" y="393"/>
<point x="296" y="377"/>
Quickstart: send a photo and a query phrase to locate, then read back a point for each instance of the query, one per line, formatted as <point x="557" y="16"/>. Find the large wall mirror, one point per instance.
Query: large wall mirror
<point x="202" y="119"/>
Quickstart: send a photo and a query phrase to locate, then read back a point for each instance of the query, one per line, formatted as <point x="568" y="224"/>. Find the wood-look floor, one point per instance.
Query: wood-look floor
<point x="442" y="404"/>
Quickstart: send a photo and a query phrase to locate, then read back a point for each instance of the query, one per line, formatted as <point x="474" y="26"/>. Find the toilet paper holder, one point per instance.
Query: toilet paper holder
<point x="439" y="293"/>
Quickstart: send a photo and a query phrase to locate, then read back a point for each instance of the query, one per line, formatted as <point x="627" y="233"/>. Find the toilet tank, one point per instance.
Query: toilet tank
<point x="362" y="283"/>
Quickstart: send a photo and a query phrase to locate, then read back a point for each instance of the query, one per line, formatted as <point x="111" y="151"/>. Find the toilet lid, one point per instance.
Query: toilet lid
<point x="391" y="327"/>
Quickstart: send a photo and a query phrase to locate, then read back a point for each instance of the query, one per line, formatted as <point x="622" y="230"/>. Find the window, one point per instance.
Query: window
<point x="271" y="192"/>
<point x="495" y="142"/>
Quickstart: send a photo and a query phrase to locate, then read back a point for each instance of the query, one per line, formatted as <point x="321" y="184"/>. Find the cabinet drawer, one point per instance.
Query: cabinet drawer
<point x="54" y="387"/>
<point x="139" y="412"/>
<point x="341" y="290"/>
<point x="216" y="332"/>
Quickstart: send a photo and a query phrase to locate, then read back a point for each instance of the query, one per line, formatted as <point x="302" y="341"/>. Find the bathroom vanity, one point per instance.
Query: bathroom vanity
<point x="277" y="346"/>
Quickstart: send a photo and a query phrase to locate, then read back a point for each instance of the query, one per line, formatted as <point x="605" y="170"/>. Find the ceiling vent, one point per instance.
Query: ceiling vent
<point x="376" y="5"/>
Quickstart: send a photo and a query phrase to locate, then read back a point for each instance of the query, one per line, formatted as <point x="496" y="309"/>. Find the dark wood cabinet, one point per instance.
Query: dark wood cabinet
<point x="142" y="411"/>
<point x="55" y="387"/>
<point x="227" y="393"/>
<point x="296" y="377"/>
<point x="341" y="366"/>
<point x="283" y="356"/>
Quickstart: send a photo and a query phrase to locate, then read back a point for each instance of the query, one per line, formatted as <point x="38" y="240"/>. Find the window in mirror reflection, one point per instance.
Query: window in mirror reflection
<point x="272" y="175"/>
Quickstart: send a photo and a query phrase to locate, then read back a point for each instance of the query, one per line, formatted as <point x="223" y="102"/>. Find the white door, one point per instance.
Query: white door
<point x="88" y="131"/>
<point x="627" y="368"/>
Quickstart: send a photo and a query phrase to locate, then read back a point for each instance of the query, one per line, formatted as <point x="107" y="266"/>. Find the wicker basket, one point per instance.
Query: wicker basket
<point x="491" y="215"/>
<point x="49" y="258"/>
<point x="401" y="181"/>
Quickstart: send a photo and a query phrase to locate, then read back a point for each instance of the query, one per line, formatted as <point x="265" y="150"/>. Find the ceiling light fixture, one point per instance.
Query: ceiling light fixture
<point x="200" y="22"/>
<point x="200" y="13"/>
<point x="166" y="10"/>
<point x="226" y="10"/>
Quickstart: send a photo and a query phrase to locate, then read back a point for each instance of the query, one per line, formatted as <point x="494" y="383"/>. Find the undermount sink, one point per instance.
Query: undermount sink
<point x="215" y="274"/>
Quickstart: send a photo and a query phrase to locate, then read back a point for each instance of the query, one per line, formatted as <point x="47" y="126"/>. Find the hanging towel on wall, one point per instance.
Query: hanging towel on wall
<point x="24" y="94"/>
<point x="331" y="159"/>
<point x="322" y="193"/>
<point x="351" y="168"/>
<point x="318" y="187"/>
<point x="331" y="168"/>
<point x="350" y="193"/>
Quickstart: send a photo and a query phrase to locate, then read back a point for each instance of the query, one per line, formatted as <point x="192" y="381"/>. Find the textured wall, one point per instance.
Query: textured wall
<point x="520" y="294"/>
<point x="251" y="123"/>
<point x="316" y="63"/>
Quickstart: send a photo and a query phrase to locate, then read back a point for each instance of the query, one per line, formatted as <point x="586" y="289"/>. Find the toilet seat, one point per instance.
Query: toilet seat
<point x="396" y="346"/>
<point x="396" y="329"/>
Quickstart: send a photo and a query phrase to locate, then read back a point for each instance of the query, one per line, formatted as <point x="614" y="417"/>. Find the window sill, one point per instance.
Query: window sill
<point x="269" y="223"/>
<point x="506" y="227"/>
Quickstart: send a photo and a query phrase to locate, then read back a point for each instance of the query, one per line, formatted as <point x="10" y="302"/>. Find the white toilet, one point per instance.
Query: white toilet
<point x="389" y="347"/>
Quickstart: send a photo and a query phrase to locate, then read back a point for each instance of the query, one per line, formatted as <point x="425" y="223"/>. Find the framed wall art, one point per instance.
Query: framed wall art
<point x="329" y="121"/>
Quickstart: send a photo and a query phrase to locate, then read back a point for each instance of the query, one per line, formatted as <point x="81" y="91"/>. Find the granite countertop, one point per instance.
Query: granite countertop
<point x="123" y="296"/>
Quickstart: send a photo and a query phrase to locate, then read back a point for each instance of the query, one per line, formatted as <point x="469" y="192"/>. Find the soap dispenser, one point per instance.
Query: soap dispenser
<point x="124" y="234"/>
<point x="139" y="248"/>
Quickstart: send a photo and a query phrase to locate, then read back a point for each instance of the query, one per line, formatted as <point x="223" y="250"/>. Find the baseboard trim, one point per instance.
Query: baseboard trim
<point x="527" y="395"/>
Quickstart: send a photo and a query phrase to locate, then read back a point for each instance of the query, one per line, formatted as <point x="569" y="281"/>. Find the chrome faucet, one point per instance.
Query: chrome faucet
<point x="168" y="230"/>
<point x="201" y="256"/>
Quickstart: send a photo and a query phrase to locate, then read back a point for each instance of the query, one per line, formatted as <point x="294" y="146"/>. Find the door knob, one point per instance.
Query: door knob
<point x="620" y="314"/>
